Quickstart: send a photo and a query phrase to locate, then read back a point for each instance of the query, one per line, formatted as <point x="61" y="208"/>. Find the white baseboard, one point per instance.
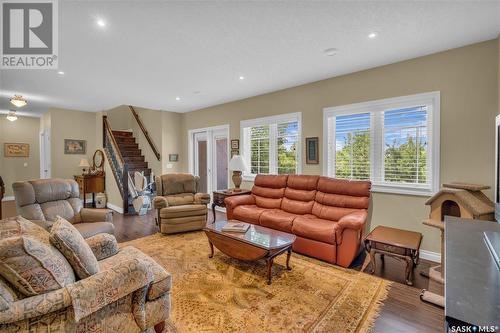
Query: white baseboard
<point x="431" y="256"/>
<point x="220" y="209"/>
<point x="9" y="198"/>
<point x="115" y="208"/>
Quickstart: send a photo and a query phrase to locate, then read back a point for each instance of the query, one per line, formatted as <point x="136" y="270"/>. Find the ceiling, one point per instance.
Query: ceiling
<point x="149" y="53"/>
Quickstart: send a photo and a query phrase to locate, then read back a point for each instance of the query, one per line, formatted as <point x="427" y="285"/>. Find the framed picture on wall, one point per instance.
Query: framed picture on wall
<point x="173" y="157"/>
<point x="312" y="153"/>
<point x="235" y="144"/>
<point x="16" y="150"/>
<point x="75" y="147"/>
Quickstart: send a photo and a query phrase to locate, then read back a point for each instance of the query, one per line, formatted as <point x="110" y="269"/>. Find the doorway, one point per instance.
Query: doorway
<point x="209" y="157"/>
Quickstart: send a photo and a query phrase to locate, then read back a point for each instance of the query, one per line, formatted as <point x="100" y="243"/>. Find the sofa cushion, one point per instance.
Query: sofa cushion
<point x="271" y="181"/>
<point x="178" y="183"/>
<point x="180" y="199"/>
<point x="70" y="242"/>
<point x="18" y="226"/>
<point x="183" y="211"/>
<point x="7" y="295"/>
<point x="314" y="228"/>
<point x="162" y="281"/>
<point x="248" y="213"/>
<point x="93" y="228"/>
<point x="299" y="194"/>
<point x="268" y="190"/>
<point x="33" y="267"/>
<point x="277" y="219"/>
<point x="63" y="208"/>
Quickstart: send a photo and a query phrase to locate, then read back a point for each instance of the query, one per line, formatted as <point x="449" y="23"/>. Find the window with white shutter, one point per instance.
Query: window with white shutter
<point x="271" y="145"/>
<point x="392" y="142"/>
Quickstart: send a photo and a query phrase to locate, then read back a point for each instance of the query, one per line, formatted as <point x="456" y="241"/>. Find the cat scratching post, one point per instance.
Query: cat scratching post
<point x="460" y="200"/>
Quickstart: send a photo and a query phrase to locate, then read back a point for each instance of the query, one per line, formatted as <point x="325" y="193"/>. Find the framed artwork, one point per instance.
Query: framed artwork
<point x="234" y="152"/>
<point x="173" y="157"/>
<point x="16" y="150"/>
<point x="312" y="153"/>
<point x="235" y="144"/>
<point x="75" y="147"/>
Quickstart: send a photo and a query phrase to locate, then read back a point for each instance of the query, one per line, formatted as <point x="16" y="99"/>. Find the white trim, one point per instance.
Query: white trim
<point x="221" y="209"/>
<point x="9" y="198"/>
<point x="114" y="207"/>
<point x="429" y="255"/>
<point x="432" y="99"/>
<point x="271" y="120"/>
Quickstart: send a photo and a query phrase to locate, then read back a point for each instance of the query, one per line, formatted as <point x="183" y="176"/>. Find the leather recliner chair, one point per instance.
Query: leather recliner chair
<point x="42" y="200"/>
<point x="327" y="215"/>
<point x="180" y="207"/>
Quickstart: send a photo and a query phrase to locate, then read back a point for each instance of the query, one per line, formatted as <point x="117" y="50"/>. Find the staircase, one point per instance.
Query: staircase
<point x="131" y="154"/>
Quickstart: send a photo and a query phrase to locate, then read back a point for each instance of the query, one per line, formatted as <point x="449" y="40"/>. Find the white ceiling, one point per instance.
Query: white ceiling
<point x="151" y="52"/>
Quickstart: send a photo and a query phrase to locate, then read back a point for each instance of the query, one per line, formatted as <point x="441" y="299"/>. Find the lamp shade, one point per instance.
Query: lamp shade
<point x="237" y="163"/>
<point x="84" y="163"/>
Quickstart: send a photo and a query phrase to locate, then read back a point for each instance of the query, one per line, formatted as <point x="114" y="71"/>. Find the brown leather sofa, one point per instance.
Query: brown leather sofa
<point x="41" y="200"/>
<point x="179" y="205"/>
<point x="327" y="215"/>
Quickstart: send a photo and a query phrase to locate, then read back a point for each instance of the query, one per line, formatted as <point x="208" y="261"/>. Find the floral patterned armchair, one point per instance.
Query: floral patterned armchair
<point x="129" y="293"/>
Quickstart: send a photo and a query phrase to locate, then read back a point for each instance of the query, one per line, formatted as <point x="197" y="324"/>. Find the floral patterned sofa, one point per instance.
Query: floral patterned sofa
<point x="128" y="292"/>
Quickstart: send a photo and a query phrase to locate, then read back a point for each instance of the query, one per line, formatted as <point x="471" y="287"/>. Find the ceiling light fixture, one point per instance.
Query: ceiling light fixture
<point x="60" y="73"/>
<point x="331" y="52"/>
<point x="177" y="98"/>
<point x="372" y="35"/>
<point x="18" y="101"/>
<point x="12" y="116"/>
<point x="101" y="23"/>
<point x="241" y="77"/>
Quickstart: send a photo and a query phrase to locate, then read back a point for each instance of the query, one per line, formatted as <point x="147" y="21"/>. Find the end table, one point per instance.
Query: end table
<point x="219" y="196"/>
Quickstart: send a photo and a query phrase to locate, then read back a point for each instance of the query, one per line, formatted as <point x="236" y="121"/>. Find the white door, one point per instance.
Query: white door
<point x="209" y="157"/>
<point x="45" y="154"/>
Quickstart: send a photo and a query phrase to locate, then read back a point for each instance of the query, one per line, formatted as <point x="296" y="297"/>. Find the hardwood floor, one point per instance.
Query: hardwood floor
<point x="402" y="312"/>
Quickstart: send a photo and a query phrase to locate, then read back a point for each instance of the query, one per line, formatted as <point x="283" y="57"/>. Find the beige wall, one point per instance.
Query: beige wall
<point x="70" y="124"/>
<point x="498" y="65"/>
<point x="12" y="169"/>
<point x="469" y="97"/>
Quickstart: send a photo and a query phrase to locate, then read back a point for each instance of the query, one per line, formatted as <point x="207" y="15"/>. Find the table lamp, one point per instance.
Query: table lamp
<point x="84" y="163"/>
<point x="237" y="164"/>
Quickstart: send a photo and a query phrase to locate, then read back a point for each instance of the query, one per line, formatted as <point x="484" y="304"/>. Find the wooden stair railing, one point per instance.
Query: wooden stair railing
<point x="145" y="132"/>
<point x="116" y="162"/>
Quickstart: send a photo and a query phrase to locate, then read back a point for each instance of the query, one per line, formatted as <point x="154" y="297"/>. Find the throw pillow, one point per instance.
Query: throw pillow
<point x="33" y="267"/>
<point x="73" y="246"/>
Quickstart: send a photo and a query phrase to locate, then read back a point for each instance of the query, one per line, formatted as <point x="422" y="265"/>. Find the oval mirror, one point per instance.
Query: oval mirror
<point x="98" y="159"/>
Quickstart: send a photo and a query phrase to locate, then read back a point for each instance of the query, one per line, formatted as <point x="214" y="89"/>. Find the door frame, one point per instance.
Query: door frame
<point x="45" y="159"/>
<point x="210" y="162"/>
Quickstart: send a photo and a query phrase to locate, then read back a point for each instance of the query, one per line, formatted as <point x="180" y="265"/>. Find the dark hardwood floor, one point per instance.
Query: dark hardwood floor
<point x="403" y="312"/>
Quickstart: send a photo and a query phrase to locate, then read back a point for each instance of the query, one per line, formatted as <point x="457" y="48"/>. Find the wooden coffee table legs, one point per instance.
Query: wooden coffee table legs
<point x="211" y="249"/>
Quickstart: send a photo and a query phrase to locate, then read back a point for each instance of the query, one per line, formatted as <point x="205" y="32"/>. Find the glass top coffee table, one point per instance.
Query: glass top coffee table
<point x="256" y="243"/>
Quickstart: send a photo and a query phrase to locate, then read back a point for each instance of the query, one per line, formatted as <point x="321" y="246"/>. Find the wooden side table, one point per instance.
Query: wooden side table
<point x="219" y="196"/>
<point x="400" y="244"/>
<point x="90" y="184"/>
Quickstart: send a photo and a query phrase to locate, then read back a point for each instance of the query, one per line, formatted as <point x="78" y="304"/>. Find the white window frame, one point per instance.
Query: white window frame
<point x="271" y="121"/>
<point x="376" y="108"/>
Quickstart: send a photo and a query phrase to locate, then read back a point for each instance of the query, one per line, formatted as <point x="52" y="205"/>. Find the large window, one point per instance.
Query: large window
<point x="392" y="142"/>
<point x="271" y="145"/>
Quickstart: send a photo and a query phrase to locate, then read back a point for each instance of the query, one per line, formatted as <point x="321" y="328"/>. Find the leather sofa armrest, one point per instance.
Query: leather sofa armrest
<point x="103" y="245"/>
<point x="160" y="202"/>
<point x="93" y="293"/>
<point x="355" y="221"/>
<point x="237" y="200"/>
<point x="96" y="215"/>
<point x="35" y="306"/>
<point x="202" y="198"/>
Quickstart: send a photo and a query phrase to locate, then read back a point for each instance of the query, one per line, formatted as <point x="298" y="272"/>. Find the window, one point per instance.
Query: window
<point x="271" y="145"/>
<point x="392" y="142"/>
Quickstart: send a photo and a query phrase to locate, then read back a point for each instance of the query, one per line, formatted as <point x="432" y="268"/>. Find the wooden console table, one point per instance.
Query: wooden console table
<point x="219" y="196"/>
<point x="91" y="184"/>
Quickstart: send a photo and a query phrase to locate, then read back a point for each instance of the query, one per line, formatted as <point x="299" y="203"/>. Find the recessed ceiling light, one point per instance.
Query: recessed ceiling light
<point x="101" y="23"/>
<point x="331" y="52"/>
<point x="177" y="98"/>
<point x="372" y="35"/>
<point x="241" y="77"/>
<point x="60" y="73"/>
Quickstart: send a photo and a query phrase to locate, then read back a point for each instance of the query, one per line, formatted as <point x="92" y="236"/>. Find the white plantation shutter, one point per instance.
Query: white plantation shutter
<point x="271" y="145"/>
<point x="393" y="142"/>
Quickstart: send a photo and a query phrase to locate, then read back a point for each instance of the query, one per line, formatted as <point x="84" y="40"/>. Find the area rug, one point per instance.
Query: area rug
<point x="226" y="295"/>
